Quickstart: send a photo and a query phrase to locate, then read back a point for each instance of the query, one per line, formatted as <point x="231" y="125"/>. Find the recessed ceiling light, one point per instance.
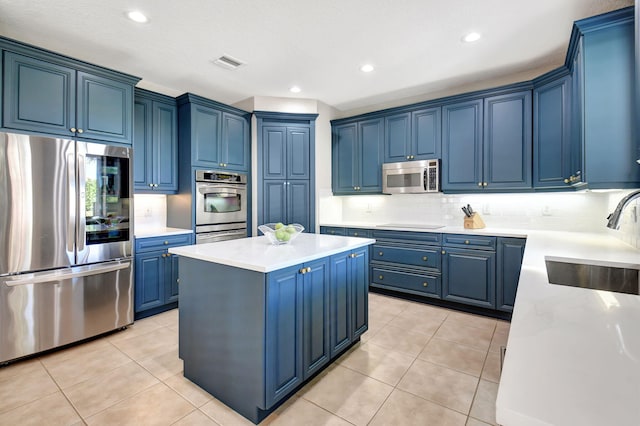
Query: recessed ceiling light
<point x="471" y="37"/>
<point x="137" y="16"/>
<point x="294" y="89"/>
<point x="366" y="68"/>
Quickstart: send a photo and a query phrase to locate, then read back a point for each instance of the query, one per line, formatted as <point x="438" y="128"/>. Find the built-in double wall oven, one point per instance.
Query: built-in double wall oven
<point x="221" y="206"/>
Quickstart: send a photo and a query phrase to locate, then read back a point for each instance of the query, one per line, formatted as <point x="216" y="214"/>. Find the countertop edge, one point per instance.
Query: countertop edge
<point x="187" y="251"/>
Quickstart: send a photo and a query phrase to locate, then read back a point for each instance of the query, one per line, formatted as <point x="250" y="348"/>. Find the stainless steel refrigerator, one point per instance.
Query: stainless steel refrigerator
<point x="65" y="242"/>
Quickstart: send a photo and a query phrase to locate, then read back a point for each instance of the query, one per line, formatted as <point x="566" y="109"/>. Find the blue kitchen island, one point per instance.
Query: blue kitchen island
<point x="256" y="321"/>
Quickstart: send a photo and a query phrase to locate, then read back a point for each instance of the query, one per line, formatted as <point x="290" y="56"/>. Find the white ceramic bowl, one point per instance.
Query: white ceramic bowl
<point x="288" y="232"/>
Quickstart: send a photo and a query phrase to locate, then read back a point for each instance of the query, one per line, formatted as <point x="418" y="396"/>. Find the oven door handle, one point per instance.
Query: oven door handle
<point x="204" y="189"/>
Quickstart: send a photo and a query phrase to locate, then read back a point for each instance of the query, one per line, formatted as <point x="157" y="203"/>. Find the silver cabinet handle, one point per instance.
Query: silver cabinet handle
<point x="73" y="129"/>
<point x="80" y="131"/>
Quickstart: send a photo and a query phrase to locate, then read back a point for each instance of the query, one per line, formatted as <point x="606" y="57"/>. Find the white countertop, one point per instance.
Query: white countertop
<point x="432" y="227"/>
<point x="148" y="232"/>
<point x="573" y="355"/>
<point x="257" y="254"/>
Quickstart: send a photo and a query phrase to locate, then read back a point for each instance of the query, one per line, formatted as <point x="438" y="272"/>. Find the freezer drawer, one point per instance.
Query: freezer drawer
<point x="44" y="310"/>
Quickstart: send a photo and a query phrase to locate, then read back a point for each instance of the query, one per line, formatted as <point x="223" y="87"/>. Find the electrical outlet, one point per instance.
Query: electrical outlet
<point x="147" y="212"/>
<point x="368" y="210"/>
<point x="546" y="211"/>
<point x="486" y="209"/>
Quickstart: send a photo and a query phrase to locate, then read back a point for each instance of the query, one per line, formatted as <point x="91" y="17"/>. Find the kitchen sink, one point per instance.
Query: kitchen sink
<point x="412" y="226"/>
<point x="620" y="279"/>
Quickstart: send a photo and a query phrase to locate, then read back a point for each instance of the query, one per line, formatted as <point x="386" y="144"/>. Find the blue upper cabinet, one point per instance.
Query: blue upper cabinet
<point x="54" y="95"/>
<point x="507" y="142"/>
<point x="285" y="152"/>
<point x="397" y="138"/>
<point x="235" y="144"/>
<point x="357" y="157"/>
<point x="426" y="134"/>
<point x="371" y="143"/>
<point x="414" y="135"/>
<point x="155" y="143"/>
<point x="487" y="144"/>
<point x="298" y="153"/>
<point x="604" y="67"/>
<point x="274" y="152"/>
<point x="552" y="166"/>
<point x="213" y="135"/>
<point x="142" y="144"/>
<point x="104" y="109"/>
<point x="205" y="136"/>
<point x="345" y="158"/>
<point x="462" y="146"/>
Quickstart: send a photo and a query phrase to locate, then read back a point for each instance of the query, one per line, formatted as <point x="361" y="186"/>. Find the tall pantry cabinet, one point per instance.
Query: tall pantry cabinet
<point x="286" y="168"/>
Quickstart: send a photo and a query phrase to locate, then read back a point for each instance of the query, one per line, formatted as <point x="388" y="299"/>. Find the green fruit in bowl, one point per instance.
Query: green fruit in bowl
<point x="286" y="236"/>
<point x="279" y="225"/>
<point x="280" y="235"/>
<point x="291" y="229"/>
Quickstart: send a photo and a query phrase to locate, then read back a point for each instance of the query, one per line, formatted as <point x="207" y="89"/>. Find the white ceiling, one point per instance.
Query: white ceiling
<point x="318" y="45"/>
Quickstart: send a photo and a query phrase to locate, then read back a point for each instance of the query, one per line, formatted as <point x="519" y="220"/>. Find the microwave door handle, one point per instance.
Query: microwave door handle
<point x="425" y="178"/>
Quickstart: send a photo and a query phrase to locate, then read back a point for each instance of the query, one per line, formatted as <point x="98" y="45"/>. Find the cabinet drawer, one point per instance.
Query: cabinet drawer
<point x="358" y="232"/>
<point x="332" y="230"/>
<point x="469" y="241"/>
<point x="428" y="258"/>
<point x="421" y="237"/>
<point x="409" y="281"/>
<point x="158" y="243"/>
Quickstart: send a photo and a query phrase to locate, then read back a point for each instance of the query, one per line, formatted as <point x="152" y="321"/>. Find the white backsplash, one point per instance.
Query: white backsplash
<point x="583" y="211"/>
<point x="149" y="211"/>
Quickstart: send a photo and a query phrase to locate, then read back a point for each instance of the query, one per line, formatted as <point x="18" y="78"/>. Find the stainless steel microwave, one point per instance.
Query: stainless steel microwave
<point x="411" y="177"/>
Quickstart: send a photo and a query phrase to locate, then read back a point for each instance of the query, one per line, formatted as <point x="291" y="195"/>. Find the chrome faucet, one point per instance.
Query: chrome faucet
<point x="614" y="218"/>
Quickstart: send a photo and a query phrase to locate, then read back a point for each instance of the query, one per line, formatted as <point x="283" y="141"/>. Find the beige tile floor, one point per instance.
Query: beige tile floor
<point x="417" y="365"/>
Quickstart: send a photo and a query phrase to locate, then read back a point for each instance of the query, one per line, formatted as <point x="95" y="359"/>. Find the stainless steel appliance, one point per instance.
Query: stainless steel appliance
<point x="411" y="177"/>
<point x="221" y="206"/>
<point x="65" y="242"/>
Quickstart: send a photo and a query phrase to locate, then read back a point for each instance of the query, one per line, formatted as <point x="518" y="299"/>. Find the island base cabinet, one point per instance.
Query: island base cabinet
<point x="349" y="295"/>
<point x="251" y="339"/>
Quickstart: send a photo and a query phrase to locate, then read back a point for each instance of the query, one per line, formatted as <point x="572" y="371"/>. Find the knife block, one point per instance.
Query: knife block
<point x="473" y="222"/>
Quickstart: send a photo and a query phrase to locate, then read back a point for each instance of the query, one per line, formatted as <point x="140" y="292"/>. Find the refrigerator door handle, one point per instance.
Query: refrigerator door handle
<point x="59" y="275"/>
<point x="71" y="202"/>
<point x="81" y="235"/>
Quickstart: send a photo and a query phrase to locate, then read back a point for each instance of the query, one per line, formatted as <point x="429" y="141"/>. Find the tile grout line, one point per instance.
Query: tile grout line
<point x="62" y="392"/>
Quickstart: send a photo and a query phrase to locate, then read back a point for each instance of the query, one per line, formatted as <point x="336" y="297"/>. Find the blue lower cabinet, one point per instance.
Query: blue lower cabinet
<point x="315" y="323"/>
<point x="415" y="256"/>
<point x="156" y="274"/>
<point x="510" y="254"/>
<point x="340" y="294"/>
<point x="150" y="270"/>
<point x="349" y="298"/>
<point x="469" y="277"/>
<point x="417" y="282"/>
<point x="314" y="311"/>
<point x="284" y="332"/>
<point x="359" y="269"/>
<point x="332" y="230"/>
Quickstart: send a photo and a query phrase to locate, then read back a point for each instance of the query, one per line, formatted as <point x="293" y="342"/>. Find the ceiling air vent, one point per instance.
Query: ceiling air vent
<point x="228" y="62"/>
